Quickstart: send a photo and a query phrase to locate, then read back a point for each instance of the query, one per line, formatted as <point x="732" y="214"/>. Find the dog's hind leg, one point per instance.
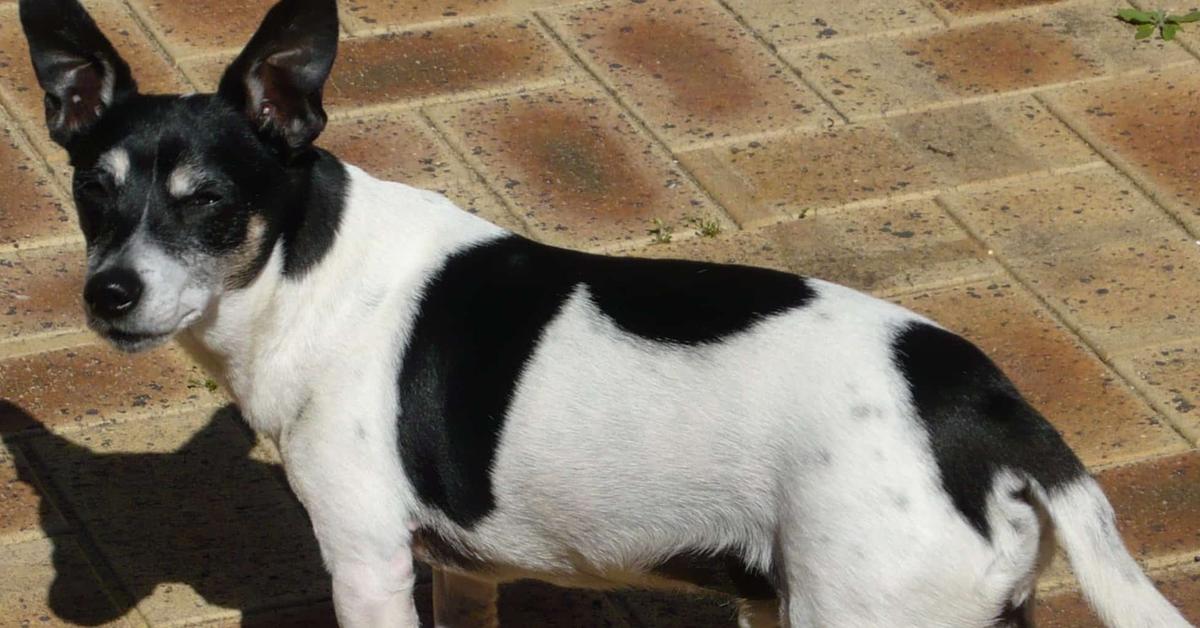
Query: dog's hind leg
<point x="758" y="614"/>
<point x="462" y="601"/>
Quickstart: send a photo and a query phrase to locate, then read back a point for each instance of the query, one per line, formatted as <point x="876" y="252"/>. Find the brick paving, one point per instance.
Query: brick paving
<point x="1023" y="170"/>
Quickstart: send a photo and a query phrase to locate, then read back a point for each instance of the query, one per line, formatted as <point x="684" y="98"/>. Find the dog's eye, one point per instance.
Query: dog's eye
<point x="204" y="199"/>
<point x="92" y="188"/>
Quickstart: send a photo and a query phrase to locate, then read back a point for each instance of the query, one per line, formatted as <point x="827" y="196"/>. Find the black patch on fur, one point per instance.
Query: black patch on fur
<point x="978" y="423"/>
<point x="482" y="315"/>
<point x="725" y="573"/>
<point x="320" y="182"/>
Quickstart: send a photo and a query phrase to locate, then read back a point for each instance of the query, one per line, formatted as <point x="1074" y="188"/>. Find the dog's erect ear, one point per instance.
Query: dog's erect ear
<point x="76" y="65"/>
<point x="278" y="79"/>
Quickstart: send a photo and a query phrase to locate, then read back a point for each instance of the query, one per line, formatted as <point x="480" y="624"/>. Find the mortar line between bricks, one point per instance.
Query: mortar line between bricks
<point x="1183" y="430"/>
<point x="129" y="419"/>
<point x="932" y="28"/>
<point x="101" y="569"/>
<point x="500" y="15"/>
<point x="157" y="44"/>
<point x="812" y="87"/>
<point x="42" y="243"/>
<point x="1090" y="345"/>
<point x="1003" y="15"/>
<point x="460" y="155"/>
<point x="933" y="192"/>
<point x="21" y="346"/>
<point x="1162" y="344"/>
<point x="1033" y="91"/>
<point x="1118" y="163"/>
<point x="453" y="98"/>
<point x="634" y="119"/>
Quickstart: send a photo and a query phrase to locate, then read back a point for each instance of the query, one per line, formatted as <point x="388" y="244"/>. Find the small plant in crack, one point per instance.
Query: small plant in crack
<point x="705" y="227"/>
<point x="1148" y="22"/>
<point x="661" y="231"/>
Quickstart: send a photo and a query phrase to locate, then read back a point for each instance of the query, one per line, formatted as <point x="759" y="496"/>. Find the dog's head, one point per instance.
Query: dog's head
<point x="180" y="198"/>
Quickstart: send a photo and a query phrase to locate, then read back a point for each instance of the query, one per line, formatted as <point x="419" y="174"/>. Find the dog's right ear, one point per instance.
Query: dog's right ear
<point x="76" y="65"/>
<point x="278" y="79"/>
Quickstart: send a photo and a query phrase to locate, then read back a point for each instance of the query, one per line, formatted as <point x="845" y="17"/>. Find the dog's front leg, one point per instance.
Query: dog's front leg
<point x="376" y="595"/>
<point x="461" y="601"/>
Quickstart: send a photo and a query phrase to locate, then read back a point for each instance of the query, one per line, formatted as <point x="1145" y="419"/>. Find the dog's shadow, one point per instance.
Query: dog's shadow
<point x="207" y="515"/>
<point x="217" y="519"/>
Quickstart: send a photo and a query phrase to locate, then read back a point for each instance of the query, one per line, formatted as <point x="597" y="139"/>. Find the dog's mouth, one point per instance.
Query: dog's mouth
<point x="132" y="342"/>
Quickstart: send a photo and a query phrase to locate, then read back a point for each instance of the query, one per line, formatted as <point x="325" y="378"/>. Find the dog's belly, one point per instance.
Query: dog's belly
<point x="723" y="573"/>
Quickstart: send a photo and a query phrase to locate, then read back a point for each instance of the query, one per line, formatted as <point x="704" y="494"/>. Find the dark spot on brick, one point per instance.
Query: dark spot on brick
<point x="702" y="75"/>
<point x="577" y="163"/>
<point x="1001" y="56"/>
<point x="440" y="61"/>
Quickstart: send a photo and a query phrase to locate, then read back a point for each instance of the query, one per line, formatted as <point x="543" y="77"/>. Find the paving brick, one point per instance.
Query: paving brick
<point x="771" y="178"/>
<point x="40" y="293"/>
<point x="689" y="70"/>
<point x="400" y="146"/>
<point x="1158" y="505"/>
<point x="1070" y="211"/>
<point x="30" y="208"/>
<point x="1066" y="43"/>
<point x="470" y="58"/>
<point x="781" y="177"/>
<point x="1068" y="610"/>
<point x="25" y="511"/>
<point x="1170" y="375"/>
<point x="372" y="14"/>
<point x="77" y="387"/>
<point x="50" y="583"/>
<point x="1099" y="415"/>
<point x="531" y="603"/>
<point x="880" y="250"/>
<point x="787" y="23"/>
<point x="191" y="526"/>
<point x="572" y="165"/>
<point x="19" y="85"/>
<point x="1100" y="252"/>
<point x="202" y="26"/>
<point x="453" y="61"/>
<point x="1150" y="123"/>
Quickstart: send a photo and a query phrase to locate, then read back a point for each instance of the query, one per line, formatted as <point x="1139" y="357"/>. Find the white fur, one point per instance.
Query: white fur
<point x="794" y="442"/>
<point x="116" y="163"/>
<point x="184" y="180"/>
<point x="1086" y="528"/>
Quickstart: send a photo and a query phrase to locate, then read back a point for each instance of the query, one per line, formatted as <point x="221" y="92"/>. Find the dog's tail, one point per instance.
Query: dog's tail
<point x="1112" y="582"/>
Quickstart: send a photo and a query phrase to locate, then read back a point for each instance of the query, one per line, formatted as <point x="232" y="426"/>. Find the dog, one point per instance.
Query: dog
<point x="442" y="389"/>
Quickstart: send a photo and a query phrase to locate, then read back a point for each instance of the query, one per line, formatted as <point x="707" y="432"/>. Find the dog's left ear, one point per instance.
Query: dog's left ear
<point x="278" y="79"/>
<point x="76" y="65"/>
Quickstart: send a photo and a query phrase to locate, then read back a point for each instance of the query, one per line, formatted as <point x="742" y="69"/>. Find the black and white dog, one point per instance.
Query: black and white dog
<point x="442" y="389"/>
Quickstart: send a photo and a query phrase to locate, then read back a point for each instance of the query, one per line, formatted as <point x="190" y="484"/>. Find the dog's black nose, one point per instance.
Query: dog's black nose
<point x="112" y="293"/>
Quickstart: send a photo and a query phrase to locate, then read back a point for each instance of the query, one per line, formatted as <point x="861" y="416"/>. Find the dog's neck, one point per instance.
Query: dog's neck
<point x="271" y="342"/>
